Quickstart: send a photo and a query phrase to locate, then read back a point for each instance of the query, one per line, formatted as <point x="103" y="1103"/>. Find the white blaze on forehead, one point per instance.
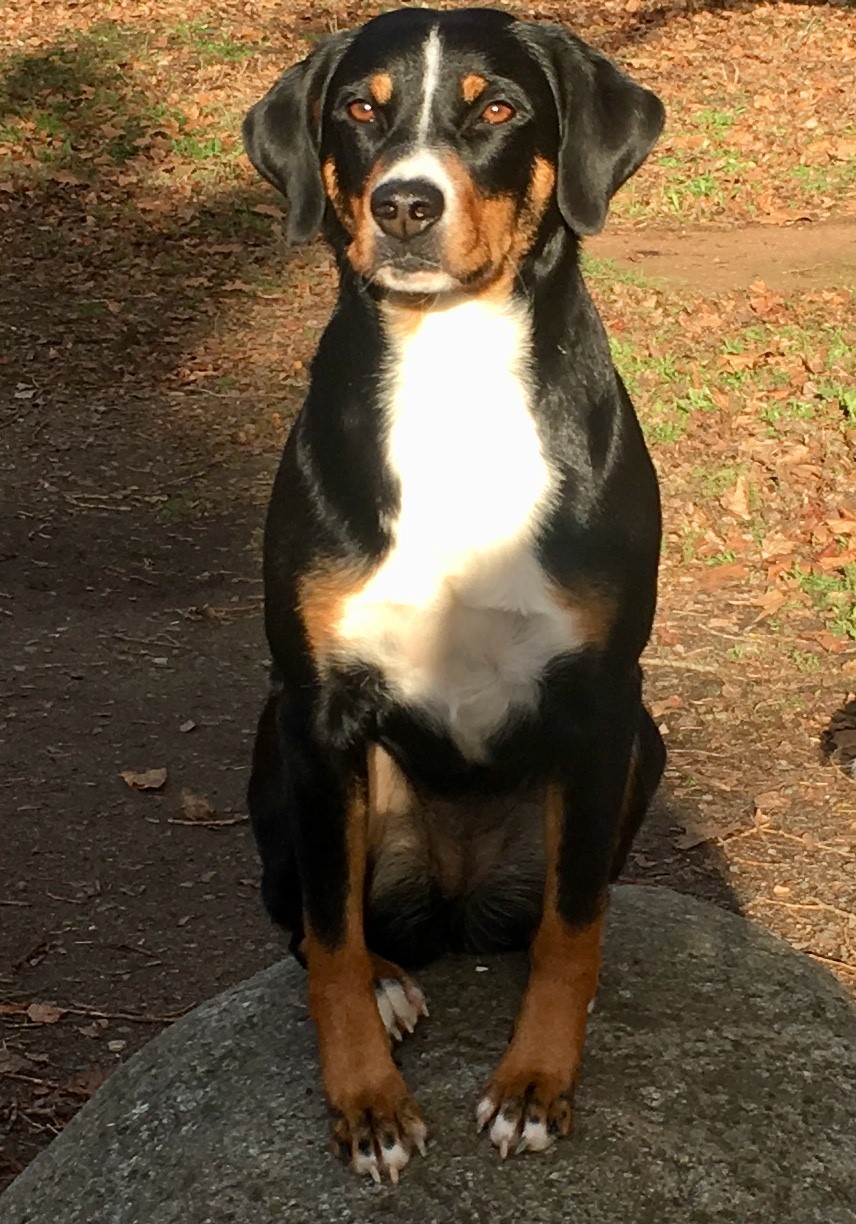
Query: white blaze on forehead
<point x="429" y="83"/>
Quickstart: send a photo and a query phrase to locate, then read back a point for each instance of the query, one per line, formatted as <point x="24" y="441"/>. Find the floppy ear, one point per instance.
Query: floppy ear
<point x="608" y="124"/>
<point x="281" y="135"/>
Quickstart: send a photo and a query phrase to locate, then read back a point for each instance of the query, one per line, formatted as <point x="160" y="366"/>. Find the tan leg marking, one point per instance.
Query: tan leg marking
<point x="376" y="1123"/>
<point x="528" y="1102"/>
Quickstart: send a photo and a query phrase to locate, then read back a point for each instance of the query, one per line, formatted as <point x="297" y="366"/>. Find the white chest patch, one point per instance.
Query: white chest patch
<point x="459" y="618"/>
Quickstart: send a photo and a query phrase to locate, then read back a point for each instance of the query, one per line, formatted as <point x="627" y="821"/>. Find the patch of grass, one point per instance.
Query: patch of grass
<point x="789" y="410"/>
<point x="78" y="99"/>
<point x="199" y="148"/>
<point x="660" y="425"/>
<point x="834" y="595"/>
<point x="804" y="661"/>
<point x="210" y="44"/>
<point x="716" y="121"/>
<point x="608" y="272"/>
<point x="827" y="178"/>
<point x="181" y="508"/>
<point x="725" y="557"/>
<point x="697" y="399"/>
<point x="844" y="398"/>
<point x="713" y="482"/>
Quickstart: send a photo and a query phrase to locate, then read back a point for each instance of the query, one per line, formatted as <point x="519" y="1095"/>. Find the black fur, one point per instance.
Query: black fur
<point x="334" y="497"/>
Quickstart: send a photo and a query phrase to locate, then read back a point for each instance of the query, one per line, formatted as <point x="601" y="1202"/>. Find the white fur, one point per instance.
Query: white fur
<point x="459" y="618"/>
<point x="401" y="1004"/>
<point x="430" y="79"/>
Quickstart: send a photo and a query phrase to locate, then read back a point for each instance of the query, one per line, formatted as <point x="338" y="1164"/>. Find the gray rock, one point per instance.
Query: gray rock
<point x="718" y="1085"/>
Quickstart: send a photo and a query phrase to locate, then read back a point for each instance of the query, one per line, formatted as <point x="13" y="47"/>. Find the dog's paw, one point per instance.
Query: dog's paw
<point x="400" y="1003"/>
<point x="525" y="1113"/>
<point x="378" y="1141"/>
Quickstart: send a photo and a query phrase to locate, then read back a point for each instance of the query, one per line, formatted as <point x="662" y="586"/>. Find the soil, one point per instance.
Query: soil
<point x="145" y="389"/>
<point x="785" y="258"/>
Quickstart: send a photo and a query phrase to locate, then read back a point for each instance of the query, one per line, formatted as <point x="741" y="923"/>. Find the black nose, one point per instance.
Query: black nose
<point x="404" y="208"/>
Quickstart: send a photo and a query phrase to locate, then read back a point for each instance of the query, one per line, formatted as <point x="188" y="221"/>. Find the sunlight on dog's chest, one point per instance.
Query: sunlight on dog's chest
<point x="459" y="617"/>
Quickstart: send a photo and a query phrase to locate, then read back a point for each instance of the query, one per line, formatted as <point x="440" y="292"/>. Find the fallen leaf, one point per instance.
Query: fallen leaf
<point x="769" y="602"/>
<point x="736" y="501"/>
<point x="196" y="807"/>
<point x="86" y="1082"/>
<point x="770" y="801"/>
<point x="144" y="779"/>
<point x="45" y="1013"/>
<point x="694" y="835"/>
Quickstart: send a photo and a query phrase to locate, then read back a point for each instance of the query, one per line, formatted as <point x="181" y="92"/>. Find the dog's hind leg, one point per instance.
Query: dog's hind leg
<point x="400" y="1001"/>
<point x="273" y="826"/>
<point x="646" y="769"/>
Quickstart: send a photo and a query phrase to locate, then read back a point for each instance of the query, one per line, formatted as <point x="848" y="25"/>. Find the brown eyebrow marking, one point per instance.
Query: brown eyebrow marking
<point x="380" y="87"/>
<point x="472" y="85"/>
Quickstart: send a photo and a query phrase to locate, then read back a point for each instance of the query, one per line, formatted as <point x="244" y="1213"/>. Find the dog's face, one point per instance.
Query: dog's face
<point x="441" y="145"/>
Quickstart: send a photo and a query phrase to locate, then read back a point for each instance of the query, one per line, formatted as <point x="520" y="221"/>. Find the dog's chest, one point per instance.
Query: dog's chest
<point x="459" y="617"/>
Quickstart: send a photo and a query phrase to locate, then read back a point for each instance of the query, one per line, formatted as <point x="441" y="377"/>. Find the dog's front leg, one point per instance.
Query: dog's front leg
<point x="529" y="1100"/>
<point x="375" y="1122"/>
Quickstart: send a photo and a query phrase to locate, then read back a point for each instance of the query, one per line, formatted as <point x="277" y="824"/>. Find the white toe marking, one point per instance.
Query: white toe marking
<point x="366" y="1164"/>
<point x="400" y="1005"/>
<point x="536" y="1137"/>
<point x="502" y="1133"/>
<point x="591" y="1006"/>
<point x="394" y="1159"/>
<point x="484" y="1112"/>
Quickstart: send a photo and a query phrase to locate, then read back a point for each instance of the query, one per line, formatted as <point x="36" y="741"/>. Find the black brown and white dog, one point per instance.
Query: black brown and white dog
<point x="461" y="553"/>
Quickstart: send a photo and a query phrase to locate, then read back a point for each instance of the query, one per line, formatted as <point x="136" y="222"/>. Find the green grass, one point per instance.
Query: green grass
<point x="181" y="508"/>
<point x="608" y="272"/>
<point x="827" y="178"/>
<point x="210" y="44"/>
<point x="199" y="148"/>
<point x="713" y="482"/>
<point x="834" y="595"/>
<point x="86" y="100"/>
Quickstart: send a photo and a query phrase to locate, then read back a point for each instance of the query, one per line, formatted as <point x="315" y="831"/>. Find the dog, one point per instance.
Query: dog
<point x="460" y="557"/>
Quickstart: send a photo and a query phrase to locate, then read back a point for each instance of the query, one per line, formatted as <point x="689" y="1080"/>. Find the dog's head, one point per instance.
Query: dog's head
<point x="440" y="144"/>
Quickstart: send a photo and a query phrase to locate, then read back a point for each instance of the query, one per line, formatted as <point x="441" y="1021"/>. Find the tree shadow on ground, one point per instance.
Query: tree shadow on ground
<point x="648" y="19"/>
<point x="118" y="273"/>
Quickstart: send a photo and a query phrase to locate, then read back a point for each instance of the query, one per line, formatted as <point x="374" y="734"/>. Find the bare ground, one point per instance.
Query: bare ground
<point x="150" y="359"/>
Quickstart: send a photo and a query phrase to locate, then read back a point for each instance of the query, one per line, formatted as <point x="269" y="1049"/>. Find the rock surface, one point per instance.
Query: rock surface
<point x="719" y="1085"/>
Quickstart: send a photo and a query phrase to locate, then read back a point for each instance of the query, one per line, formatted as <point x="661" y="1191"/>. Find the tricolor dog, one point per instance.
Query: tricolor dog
<point x="460" y="556"/>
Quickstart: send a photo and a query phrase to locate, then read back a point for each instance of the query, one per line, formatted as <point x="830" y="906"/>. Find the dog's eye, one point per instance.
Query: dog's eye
<point x="362" y="111"/>
<point x="498" y="112"/>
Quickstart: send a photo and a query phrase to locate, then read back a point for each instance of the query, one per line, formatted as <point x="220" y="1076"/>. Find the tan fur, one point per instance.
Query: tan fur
<point x="546" y="1050"/>
<point x="361" y="252"/>
<point x="321" y="594"/>
<point x="380" y="88"/>
<point x="472" y="86"/>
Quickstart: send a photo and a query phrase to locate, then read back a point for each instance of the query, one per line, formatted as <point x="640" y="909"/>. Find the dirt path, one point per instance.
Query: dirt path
<point x="787" y="259"/>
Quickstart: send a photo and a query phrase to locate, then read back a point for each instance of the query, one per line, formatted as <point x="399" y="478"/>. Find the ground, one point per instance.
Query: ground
<point x="154" y="335"/>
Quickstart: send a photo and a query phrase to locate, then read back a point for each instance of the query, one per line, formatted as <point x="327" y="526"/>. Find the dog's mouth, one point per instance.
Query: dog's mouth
<point x="413" y="274"/>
